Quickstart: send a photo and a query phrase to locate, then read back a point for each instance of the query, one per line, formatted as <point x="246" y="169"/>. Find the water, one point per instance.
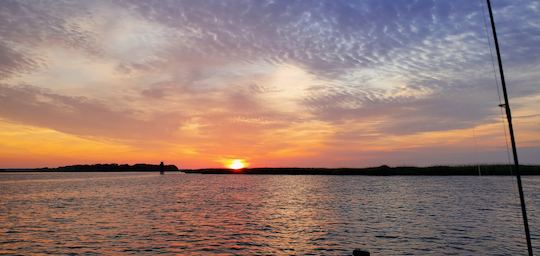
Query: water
<point x="145" y="213"/>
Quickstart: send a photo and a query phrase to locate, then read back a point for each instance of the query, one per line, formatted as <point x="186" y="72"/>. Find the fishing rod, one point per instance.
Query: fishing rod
<point x="511" y="131"/>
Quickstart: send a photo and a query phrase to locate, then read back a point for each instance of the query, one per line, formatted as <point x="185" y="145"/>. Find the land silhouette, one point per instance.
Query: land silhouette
<point x="102" y="168"/>
<point x="384" y="170"/>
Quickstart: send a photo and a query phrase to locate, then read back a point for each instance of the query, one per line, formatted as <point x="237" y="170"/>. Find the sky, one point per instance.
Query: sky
<point x="273" y="83"/>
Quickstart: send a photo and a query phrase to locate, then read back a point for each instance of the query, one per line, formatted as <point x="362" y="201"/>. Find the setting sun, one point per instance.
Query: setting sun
<point x="237" y="164"/>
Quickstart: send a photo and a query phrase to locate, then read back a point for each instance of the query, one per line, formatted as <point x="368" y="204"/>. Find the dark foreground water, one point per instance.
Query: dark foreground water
<point x="145" y="213"/>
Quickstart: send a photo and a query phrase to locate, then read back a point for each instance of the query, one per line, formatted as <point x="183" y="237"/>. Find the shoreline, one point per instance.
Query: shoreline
<point x="468" y="170"/>
<point x="485" y="170"/>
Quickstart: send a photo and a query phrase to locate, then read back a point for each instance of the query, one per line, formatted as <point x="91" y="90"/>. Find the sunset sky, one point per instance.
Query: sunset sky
<point x="273" y="83"/>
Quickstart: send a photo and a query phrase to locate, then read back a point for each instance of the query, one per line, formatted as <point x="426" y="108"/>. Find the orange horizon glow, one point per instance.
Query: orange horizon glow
<point x="48" y="149"/>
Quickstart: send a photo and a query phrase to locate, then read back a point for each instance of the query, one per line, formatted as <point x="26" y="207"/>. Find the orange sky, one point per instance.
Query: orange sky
<point x="318" y="85"/>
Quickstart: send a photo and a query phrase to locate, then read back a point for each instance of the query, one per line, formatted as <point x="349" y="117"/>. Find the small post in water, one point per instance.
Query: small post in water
<point x="161" y="168"/>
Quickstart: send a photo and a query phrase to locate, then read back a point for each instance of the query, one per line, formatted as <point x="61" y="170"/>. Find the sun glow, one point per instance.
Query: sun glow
<point x="237" y="164"/>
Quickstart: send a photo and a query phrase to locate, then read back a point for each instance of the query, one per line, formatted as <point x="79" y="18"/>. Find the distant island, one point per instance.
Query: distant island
<point x="384" y="170"/>
<point x="100" y="168"/>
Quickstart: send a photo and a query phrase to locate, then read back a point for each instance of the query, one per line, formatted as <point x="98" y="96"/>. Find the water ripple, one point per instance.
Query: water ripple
<point x="144" y="213"/>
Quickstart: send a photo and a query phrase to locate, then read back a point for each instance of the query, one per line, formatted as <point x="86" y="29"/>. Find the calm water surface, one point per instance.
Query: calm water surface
<point x="145" y="213"/>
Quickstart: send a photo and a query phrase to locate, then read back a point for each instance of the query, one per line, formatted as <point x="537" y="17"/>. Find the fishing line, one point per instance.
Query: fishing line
<point x="475" y="143"/>
<point x="501" y="105"/>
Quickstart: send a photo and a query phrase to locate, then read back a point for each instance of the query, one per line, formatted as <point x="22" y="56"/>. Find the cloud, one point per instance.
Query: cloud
<point x="446" y="108"/>
<point x="77" y="115"/>
<point x="14" y="63"/>
<point x="28" y="24"/>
